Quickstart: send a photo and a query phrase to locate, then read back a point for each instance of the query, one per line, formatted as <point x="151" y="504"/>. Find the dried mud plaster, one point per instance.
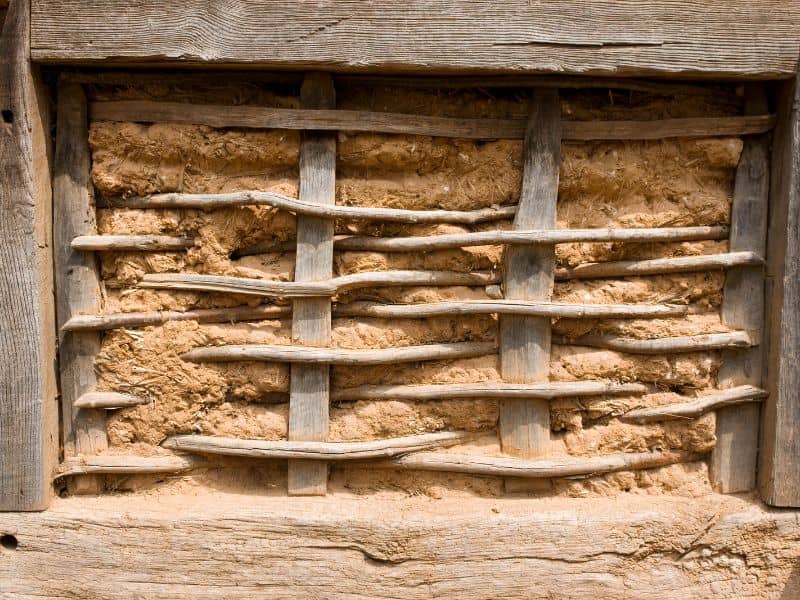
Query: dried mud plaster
<point x="682" y="182"/>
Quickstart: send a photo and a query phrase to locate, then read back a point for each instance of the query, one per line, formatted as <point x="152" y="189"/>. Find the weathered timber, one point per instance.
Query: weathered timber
<point x="28" y="409"/>
<point x="553" y="468"/>
<point x="524" y="425"/>
<point x="309" y="391"/>
<point x="779" y="468"/>
<point x="509" y="307"/>
<point x="744" y="394"/>
<point x="126" y="465"/>
<point x="216" y="115"/>
<point x="201" y="315"/>
<point x="464" y="391"/>
<point x="299" y="289"/>
<point x="311" y="209"/>
<point x="119" y="243"/>
<point x="339" y="356"/>
<point x="108" y="400"/>
<point x="77" y="280"/>
<point x="660" y="266"/>
<point x="309" y="450"/>
<point x="668" y="345"/>
<point x="678" y="38"/>
<point x="732" y="467"/>
<point x="415" y="548"/>
<point x="529" y="236"/>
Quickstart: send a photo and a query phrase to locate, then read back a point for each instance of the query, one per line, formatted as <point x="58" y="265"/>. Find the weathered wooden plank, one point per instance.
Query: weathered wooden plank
<point x="339" y="356"/>
<point x="300" y="289"/>
<point x="309" y="394"/>
<point x="309" y="450"/>
<point x="524" y="425"/>
<point x="697" y="407"/>
<point x="735" y="38"/>
<point x="733" y="463"/>
<point x="779" y="468"/>
<point x="77" y="279"/>
<point x="28" y="410"/>
<point x="230" y="547"/>
<point x="215" y="115"/>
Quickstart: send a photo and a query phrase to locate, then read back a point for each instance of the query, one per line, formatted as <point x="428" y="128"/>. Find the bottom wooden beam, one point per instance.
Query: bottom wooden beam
<point x="226" y="546"/>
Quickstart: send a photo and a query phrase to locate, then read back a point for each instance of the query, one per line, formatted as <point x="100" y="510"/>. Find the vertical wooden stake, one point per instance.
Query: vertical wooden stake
<point x="77" y="280"/>
<point x="309" y="393"/>
<point x="28" y="409"/>
<point x="779" y="462"/>
<point x="525" y="341"/>
<point x="733" y="461"/>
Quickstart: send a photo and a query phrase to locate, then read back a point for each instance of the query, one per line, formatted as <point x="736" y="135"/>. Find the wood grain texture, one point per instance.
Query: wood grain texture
<point x="732" y="467"/>
<point x="309" y="450"/>
<point x="779" y="468"/>
<point x="743" y="394"/>
<point x="309" y="384"/>
<point x="215" y="115"/>
<point x="299" y="289"/>
<point x="339" y="356"/>
<point x="524" y="425"/>
<point x="77" y="281"/>
<point x="221" y="547"/>
<point x="735" y="38"/>
<point x="28" y="410"/>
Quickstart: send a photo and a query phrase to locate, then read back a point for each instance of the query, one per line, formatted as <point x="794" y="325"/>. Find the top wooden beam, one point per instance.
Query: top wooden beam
<point x="676" y="38"/>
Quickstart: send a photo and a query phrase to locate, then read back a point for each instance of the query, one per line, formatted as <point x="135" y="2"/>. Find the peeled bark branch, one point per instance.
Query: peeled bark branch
<point x="697" y="407"/>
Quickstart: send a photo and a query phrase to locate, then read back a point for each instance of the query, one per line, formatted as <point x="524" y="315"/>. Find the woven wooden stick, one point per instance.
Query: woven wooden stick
<point x="537" y="468"/>
<point x="697" y="407"/>
<point x="121" y="243"/>
<point x="299" y="289"/>
<point x="108" y="400"/>
<point x="206" y="444"/>
<point x="687" y="343"/>
<point x="339" y="356"/>
<point x="541" y="391"/>
<point x="126" y="465"/>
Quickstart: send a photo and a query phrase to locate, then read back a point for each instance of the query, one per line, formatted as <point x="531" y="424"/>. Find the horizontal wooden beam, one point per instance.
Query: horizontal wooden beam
<point x="509" y="307"/>
<point x="494" y="389"/>
<point x="697" y="407"/>
<point x="686" y="343"/>
<point x="293" y="449"/>
<point x="339" y="356"/>
<point x="299" y="289"/>
<point x="679" y="38"/>
<point x="500" y="466"/>
<point x="217" y="115"/>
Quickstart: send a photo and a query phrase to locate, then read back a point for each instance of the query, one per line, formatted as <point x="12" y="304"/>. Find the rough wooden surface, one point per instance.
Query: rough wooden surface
<point x="697" y="407"/>
<point x="524" y="425"/>
<point x="733" y="463"/>
<point x="682" y="343"/>
<point x="207" y="444"/>
<point x="127" y="465"/>
<point x="309" y="392"/>
<point x="28" y="411"/>
<point x="219" y="547"/>
<point x="216" y="115"/>
<point x="779" y="467"/>
<point x="108" y="400"/>
<point x="121" y="243"/>
<point x="732" y="38"/>
<point x="77" y="280"/>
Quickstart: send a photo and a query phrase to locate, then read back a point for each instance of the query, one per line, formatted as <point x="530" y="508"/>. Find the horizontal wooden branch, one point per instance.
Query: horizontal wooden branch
<point x="147" y="111"/>
<point x="299" y="289"/>
<point x="463" y="391"/>
<point x="108" y="400"/>
<point x="339" y="356"/>
<point x="539" y="468"/>
<point x="206" y="444"/>
<point x="323" y="211"/>
<point x="525" y="237"/>
<point x="697" y="407"/>
<point x="126" y="465"/>
<point x="508" y="307"/>
<point x="201" y="315"/>
<point x="660" y="266"/>
<point x="667" y="345"/>
<point x="121" y="243"/>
